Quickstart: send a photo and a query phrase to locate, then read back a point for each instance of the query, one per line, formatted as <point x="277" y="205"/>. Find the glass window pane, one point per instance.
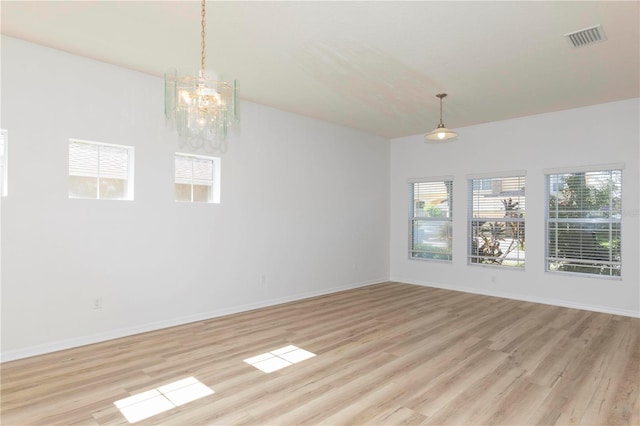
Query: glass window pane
<point x="113" y="189"/>
<point x="431" y="240"/>
<point x="183" y="192"/>
<point x="83" y="187"/>
<point x="431" y="223"/>
<point x="497" y="212"/>
<point x="583" y="223"/>
<point x="201" y="193"/>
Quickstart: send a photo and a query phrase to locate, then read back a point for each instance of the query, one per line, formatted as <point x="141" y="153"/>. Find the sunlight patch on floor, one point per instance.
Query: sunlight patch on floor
<point x="164" y="398"/>
<point x="278" y="359"/>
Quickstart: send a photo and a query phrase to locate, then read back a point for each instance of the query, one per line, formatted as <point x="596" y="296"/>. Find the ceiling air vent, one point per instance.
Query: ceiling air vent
<point x="586" y="37"/>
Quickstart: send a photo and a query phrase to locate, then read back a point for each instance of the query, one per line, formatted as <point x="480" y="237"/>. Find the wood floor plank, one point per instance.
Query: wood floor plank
<point x="615" y="398"/>
<point x="389" y="354"/>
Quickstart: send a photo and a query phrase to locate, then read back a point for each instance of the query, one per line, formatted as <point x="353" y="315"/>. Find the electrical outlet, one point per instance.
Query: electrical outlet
<point x="263" y="279"/>
<point x="97" y="303"/>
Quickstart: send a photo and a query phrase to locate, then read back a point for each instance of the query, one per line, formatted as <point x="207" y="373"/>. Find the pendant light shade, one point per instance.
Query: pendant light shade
<point x="440" y="133"/>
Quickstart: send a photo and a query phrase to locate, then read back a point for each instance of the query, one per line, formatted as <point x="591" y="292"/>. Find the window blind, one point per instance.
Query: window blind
<point x="113" y="162"/>
<point x="96" y="160"/>
<point x="583" y="222"/>
<point x="184" y="171"/>
<point x="430" y="220"/>
<point x="202" y="172"/>
<point x="496" y="221"/>
<point x="83" y="159"/>
<point x="193" y="170"/>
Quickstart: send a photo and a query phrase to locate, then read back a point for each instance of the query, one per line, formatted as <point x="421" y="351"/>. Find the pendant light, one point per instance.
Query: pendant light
<point x="440" y="133"/>
<point x="201" y="107"/>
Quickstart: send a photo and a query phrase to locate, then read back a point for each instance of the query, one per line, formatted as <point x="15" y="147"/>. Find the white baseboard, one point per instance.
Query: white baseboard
<point x="123" y="332"/>
<point x="526" y="298"/>
<point x="75" y="342"/>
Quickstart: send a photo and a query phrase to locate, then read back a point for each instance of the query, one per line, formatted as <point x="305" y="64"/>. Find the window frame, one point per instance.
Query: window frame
<point x="130" y="151"/>
<point x="514" y="226"/>
<point x="446" y="220"/>
<point x="214" y="197"/>
<point x="552" y="260"/>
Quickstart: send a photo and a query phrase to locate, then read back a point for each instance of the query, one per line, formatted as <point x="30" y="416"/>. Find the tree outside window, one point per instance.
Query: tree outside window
<point x="583" y="222"/>
<point x="497" y="221"/>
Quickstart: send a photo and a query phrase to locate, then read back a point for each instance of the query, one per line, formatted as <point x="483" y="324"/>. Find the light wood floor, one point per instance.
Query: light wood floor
<point x="386" y="354"/>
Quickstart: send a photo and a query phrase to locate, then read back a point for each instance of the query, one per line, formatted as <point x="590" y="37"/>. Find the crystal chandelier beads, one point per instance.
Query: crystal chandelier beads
<point x="202" y="108"/>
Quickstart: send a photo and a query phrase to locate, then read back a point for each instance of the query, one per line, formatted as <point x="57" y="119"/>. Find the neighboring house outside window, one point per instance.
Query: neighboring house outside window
<point x="100" y="171"/>
<point x="497" y="220"/>
<point x="4" y="150"/>
<point x="197" y="178"/>
<point x="430" y="219"/>
<point x="584" y="216"/>
<point x="482" y="184"/>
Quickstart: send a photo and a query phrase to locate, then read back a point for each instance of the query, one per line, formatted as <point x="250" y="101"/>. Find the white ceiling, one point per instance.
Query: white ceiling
<point x="374" y="66"/>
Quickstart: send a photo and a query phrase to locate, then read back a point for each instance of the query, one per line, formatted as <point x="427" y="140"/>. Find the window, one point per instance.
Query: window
<point x="496" y="220"/>
<point x="430" y="219"/>
<point x="583" y="222"/>
<point x="4" y="149"/>
<point x="197" y="179"/>
<point x="100" y="171"/>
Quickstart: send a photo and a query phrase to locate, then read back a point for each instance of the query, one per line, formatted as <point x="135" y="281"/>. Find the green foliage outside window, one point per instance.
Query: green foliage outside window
<point x="584" y="223"/>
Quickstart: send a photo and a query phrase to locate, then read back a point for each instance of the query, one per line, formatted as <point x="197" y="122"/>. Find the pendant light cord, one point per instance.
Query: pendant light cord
<point x="440" y="96"/>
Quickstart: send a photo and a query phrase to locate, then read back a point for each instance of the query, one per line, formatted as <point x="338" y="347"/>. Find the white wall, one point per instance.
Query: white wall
<point x="599" y="134"/>
<point x="304" y="204"/>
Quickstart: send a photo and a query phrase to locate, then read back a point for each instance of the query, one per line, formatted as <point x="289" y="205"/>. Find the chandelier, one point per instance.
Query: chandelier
<point x="440" y="133"/>
<point x="201" y="108"/>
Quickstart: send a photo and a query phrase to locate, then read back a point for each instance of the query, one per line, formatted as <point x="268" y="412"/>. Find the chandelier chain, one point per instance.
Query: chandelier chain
<point x="202" y="33"/>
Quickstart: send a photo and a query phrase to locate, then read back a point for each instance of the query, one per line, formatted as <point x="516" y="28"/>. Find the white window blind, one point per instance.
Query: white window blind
<point x="114" y="162"/>
<point x="194" y="170"/>
<point x="497" y="221"/>
<point x="430" y="220"/>
<point x="583" y="222"/>
<point x="102" y="171"/>
<point x="3" y="162"/>
<point x="84" y="159"/>
<point x="196" y="178"/>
